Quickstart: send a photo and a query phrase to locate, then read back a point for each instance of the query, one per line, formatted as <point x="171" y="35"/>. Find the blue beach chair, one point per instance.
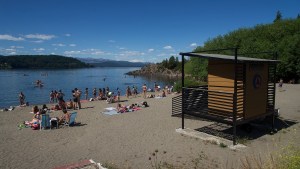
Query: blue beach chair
<point x="45" y="121"/>
<point x="72" y="119"/>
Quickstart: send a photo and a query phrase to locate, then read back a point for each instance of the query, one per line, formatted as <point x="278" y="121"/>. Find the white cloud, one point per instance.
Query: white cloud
<point x="38" y="49"/>
<point x="168" y="47"/>
<point x="85" y="52"/>
<point x="11" y="38"/>
<point x="67" y="34"/>
<point x="72" y="45"/>
<point x="12" y="53"/>
<point x="193" y="45"/>
<point x="58" y="44"/>
<point x="17" y="47"/>
<point x="150" y="50"/>
<point x="136" y="60"/>
<point x="52" y="53"/>
<point x="38" y="41"/>
<point x="72" y="52"/>
<point x="111" y="41"/>
<point x="40" y="36"/>
<point x="121" y="48"/>
<point x="9" y="49"/>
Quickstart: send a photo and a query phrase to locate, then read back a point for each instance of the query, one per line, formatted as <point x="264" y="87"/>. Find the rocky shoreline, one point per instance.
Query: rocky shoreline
<point x="156" y="70"/>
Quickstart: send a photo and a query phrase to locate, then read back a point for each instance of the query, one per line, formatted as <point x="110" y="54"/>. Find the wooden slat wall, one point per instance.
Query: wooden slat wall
<point x="221" y="80"/>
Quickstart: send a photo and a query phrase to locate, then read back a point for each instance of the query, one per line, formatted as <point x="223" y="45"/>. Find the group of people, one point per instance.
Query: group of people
<point x="129" y="108"/>
<point x="58" y="97"/>
<point x="37" y="117"/>
<point x="100" y="94"/>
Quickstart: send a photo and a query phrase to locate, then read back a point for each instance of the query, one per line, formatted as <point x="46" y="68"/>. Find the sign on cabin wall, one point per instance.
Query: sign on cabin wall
<point x="256" y="89"/>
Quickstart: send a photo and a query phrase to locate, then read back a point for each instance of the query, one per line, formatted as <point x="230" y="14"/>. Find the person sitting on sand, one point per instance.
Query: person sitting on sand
<point x="65" y="117"/>
<point x="150" y="96"/>
<point x="121" y="108"/>
<point x="55" y="107"/>
<point x="70" y="104"/>
<point x="36" y="119"/>
<point x="163" y="94"/>
<point x="35" y="109"/>
<point x="44" y="109"/>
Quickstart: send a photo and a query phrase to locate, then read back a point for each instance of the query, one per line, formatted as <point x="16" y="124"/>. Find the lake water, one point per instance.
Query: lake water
<point x="14" y="81"/>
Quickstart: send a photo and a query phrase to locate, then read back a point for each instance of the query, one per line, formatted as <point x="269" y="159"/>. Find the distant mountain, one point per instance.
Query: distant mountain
<point x="92" y="60"/>
<point x="111" y="63"/>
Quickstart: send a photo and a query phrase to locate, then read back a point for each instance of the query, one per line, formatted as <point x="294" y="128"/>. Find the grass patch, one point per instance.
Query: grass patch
<point x="222" y="145"/>
<point x="243" y="140"/>
<point x="287" y="158"/>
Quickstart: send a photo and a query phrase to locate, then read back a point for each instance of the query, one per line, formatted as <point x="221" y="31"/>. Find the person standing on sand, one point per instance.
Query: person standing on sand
<point x="74" y="99"/>
<point x="94" y="93"/>
<point x="119" y="94"/>
<point x="21" y="98"/>
<point x="86" y="93"/>
<point x="78" y="95"/>
<point x="52" y="94"/>
<point x="144" y="91"/>
<point x="280" y="84"/>
<point x="155" y="87"/>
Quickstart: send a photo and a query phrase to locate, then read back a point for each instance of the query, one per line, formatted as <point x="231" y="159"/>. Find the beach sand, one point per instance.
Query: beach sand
<point x="128" y="140"/>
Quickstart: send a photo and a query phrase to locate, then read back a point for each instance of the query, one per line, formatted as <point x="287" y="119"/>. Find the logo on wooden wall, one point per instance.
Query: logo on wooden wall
<point x="257" y="81"/>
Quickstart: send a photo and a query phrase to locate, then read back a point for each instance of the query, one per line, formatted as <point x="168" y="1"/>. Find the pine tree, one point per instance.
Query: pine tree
<point x="278" y="16"/>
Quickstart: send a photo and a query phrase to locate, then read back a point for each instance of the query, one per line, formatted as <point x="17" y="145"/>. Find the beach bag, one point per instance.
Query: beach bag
<point x="145" y="104"/>
<point x="35" y="126"/>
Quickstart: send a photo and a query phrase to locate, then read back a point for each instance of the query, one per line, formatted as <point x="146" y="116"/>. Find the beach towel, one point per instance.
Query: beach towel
<point x="110" y="108"/>
<point x="111" y="112"/>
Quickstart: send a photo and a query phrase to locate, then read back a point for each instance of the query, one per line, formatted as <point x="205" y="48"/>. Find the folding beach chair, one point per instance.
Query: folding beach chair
<point x="45" y="121"/>
<point x="72" y="119"/>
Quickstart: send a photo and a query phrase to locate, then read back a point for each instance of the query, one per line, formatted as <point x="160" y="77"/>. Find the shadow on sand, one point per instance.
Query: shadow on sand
<point x="248" y="131"/>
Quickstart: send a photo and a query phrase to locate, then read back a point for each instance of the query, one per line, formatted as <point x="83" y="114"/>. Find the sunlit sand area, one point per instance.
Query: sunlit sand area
<point x="142" y="139"/>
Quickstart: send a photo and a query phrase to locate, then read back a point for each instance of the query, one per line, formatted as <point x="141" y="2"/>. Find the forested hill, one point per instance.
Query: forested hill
<point x="40" y="62"/>
<point x="282" y="36"/>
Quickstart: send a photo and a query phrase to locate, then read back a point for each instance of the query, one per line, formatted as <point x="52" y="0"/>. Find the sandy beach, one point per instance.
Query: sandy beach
<point x="128" y="140"/>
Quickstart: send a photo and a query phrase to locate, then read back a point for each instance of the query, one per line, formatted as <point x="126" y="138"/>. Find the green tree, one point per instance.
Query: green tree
<point x="278" y="16"/>
<point x="172" y="63"/>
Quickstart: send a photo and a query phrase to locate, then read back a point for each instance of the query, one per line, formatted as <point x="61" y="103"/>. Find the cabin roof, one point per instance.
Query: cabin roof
<point x="227" y="57"/>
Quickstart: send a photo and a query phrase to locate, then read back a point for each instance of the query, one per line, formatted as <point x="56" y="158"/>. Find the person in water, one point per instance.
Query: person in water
<point x="22" y="99"/>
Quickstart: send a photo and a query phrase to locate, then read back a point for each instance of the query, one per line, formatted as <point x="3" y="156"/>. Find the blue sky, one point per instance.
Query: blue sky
<point x="131" y="30"/>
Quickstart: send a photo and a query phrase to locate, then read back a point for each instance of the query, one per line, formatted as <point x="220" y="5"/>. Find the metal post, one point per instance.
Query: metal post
<point x="235" y="96"/>
<point x="182" y="91"/>
<point x="274" y="83"/>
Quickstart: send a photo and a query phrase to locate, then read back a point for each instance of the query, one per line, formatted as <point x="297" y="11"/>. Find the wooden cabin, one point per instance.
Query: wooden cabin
<point x="252" y="87"/>
<point x="239" y="89"/>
